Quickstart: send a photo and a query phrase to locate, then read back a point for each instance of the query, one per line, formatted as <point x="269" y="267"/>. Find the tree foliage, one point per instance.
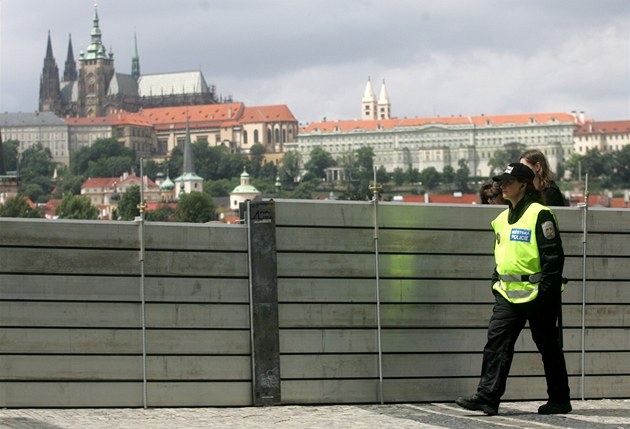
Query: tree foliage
<point x="101" y="150"/>
<point x="76" y="207"/>
<point x="462" y="175"/>
<point x="196" y="207"/>
<point x="290" y="168"/>
<point x="19" y="207"/>
<point x="359" y="168"/>
<point x="500" y="158"/>
<point x="430" y="178"/>
<point x="10" y="154"/>
<point x="319" y="161"/>
<point x="128" y="204"/>
<point x="36" y="169"/>
<point x="161" y="214"/>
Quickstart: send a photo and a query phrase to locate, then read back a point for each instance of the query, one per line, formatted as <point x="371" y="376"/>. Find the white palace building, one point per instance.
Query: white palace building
<point x="440" y="141"/>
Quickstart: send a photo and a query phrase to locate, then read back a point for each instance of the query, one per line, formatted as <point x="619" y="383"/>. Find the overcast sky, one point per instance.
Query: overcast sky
<point x="437" y="57"/>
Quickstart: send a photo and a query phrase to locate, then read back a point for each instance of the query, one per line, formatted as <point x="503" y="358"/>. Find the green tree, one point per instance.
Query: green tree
<point x="412" y="175"/>
<point x="76" y="207"/>
<point x="128" y="205"/>
<point x="218" y="188"/>
<point x="19" y="207"/>
<point x="174" y="163"/>
<point x="448" y="175"/>
<point x="319" y="161"/>
<point x="256" y="156"/>
<point x="67" y="183"/>
<point x="196" y="207"/>
<point x="462" y="175"/>
<point x="359" y="168"/>
<point x="34" y="191"/>
<point x="398" y="176"/>
<point x="621" y="166"/>
<point x="36" y="170"/>
<point x="304" y="190"/>
<point x="10" y="154"/>
<point x="430" y="178"/>
<point x="269" y="171"/>
<point x="151" y="169"/>
<point x="101" y="149"/>
<point x="382" y="176"/>
<point x="113" y="166"/>
<point x="290" y="169"/>
<point x="161" y="214"/>
<point x="502" y="157"/>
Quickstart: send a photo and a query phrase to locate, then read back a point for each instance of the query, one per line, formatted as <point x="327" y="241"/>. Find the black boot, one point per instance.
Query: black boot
<point x="555" y="408"/>
<point x="476" y="403"/>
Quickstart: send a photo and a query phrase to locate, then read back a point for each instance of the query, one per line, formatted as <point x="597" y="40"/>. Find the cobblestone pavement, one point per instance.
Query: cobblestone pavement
<point x="602" y="414"/>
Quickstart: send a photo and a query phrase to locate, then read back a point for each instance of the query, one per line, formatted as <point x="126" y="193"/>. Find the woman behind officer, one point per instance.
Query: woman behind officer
<point x="543" y="180"/>
<point x="526" y="283"/>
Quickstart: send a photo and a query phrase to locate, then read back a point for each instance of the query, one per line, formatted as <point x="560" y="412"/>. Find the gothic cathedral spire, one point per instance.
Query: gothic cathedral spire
<point x="49" y="94"/>
<point x="135" y="60"/>
<point x="70" y="70"/>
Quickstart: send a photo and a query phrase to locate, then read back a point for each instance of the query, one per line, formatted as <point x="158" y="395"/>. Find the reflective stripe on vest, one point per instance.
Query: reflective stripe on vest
<point x="516" y="255"/>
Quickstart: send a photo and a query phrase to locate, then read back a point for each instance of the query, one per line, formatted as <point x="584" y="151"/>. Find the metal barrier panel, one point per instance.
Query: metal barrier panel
<point x="71" y="308"/>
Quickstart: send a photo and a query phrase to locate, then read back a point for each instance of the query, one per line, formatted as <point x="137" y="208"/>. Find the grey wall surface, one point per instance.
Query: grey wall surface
<point x="72" y="313"/>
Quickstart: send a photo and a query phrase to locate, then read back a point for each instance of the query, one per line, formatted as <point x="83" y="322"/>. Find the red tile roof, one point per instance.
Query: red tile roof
<point x="374" y="124"/>
<point x="100" y="182"/>
<point x="119" y="118"/>
<point x="277" y="113"/>
<point x="604" y="127"/>
<point x="210" y="113"/>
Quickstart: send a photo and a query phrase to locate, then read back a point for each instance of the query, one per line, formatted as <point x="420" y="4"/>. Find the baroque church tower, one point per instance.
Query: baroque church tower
<point x="371" y="108"/>
<point x="368" y="102"/>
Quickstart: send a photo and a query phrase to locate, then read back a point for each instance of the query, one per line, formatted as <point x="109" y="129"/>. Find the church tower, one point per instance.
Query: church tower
<point x="95" y="73"/>
<point x="189" y="181"/>
<point x="135" y="60"/>
<point x="368" y="102"/>
<point x="384" y="106"/>
<point x="70" y="69"/>
<point x="49" y="94"/>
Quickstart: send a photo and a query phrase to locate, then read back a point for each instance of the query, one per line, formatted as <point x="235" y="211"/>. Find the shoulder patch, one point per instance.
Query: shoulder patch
<point x="549" y="231"/>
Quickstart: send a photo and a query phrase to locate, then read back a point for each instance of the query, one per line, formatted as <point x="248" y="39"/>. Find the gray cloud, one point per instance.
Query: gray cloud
<point x="448" y="58"/>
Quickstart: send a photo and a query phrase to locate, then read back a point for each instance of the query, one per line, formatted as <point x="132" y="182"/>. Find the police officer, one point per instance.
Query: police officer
<point x="527" y="283"/>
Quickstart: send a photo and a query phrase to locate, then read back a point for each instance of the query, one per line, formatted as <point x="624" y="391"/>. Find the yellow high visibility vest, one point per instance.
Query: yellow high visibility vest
<point x="516" y="255"/>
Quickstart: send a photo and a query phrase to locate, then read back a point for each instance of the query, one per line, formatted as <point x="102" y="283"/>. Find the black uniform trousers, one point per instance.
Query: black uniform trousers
<point x="506" y="323"/>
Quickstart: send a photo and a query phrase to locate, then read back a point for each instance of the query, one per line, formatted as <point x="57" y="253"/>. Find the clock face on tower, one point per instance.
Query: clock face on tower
<point x="91" y="84"/>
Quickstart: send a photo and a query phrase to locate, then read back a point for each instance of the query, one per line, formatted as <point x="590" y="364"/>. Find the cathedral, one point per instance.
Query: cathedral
<point x="96" y="89"/>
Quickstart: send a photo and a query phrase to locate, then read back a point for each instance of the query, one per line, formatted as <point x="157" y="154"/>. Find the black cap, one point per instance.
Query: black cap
<point x="517" y="171"/>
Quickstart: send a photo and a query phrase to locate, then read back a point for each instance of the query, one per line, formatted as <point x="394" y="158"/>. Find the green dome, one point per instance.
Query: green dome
<point x="167" y="185"/>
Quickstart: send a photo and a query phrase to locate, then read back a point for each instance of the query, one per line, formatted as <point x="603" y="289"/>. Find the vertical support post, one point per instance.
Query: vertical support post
<point x="260" y="217"/>
<point x="583" y="330"/>
<point x="376" y="189"/>
<point x="140" y="220"/>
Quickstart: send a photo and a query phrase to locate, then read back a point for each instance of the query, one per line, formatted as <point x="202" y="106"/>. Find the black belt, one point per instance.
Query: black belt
<point x="532" y="278"/>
